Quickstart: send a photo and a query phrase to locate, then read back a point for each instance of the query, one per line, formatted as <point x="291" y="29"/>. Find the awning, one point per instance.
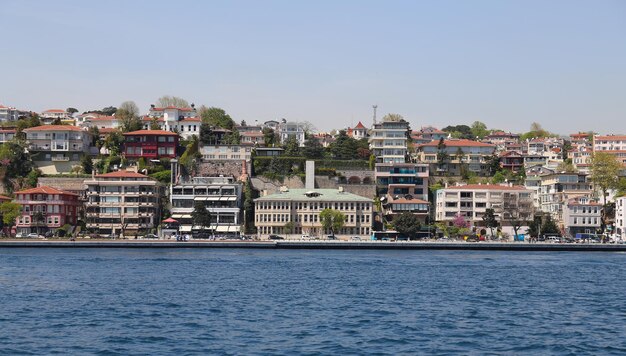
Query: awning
<point x="181" y="216"/>
<point x="233" y="228"/>
<point x="170" y="220"/>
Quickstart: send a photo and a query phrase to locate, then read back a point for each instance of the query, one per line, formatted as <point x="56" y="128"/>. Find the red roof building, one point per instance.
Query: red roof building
<point x="150" y="144"/>
<point x="45" y="209"/>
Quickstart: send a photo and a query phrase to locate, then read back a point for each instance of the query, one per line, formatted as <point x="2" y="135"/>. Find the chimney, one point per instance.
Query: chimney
<point x="309" y="182"/>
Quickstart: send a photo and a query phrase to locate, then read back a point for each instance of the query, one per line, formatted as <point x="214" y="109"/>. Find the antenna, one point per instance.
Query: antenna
<point x="375" y="107"/>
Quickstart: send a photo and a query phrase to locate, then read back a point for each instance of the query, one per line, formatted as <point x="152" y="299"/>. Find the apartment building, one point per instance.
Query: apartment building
<point x="403" y="187"/>
<point x="226" y="152"/>
<point x="8" y="113"/>
<point x="185" y="121"/>
<point x="302" y="207"/>
<point x="150" y="144"/>
<point x="612" y="144"/>
<point x="46" y="209"/>
<point x="122" y="202"/>
<point x="582" y="215"/>
<point x="471" y="201"/>
<point x="222" y="197"/>
<point x="557" y="188"/>
<point x="512" y="161"/>
<point x="388" y="140"/>
<point x="56" y="148"/>
<point x="455" y="155"/>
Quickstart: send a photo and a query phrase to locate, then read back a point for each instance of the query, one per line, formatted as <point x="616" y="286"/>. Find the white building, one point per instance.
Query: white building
<point x="8" y="113"/>
<point x="182" y="120"/>
<point x="612" y="144"/>
<point x="289" y="130"/>
<point x="472" y="200"/>
<point x="222" y="197"/>
<point x="388" y="140"/>
<point x="226" y="152"/>
<point x="556" y="189"/>
<point x="582" y="215"/>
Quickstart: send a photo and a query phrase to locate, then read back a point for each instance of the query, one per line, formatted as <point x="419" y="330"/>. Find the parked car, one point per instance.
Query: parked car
<point x="20" y="235"/>
<point x="151" y="236"/>
<point x="553" y="239"/>
<point x="305" y="237"/>
<point x="331" y="237"/>
<point x="32" y="235"/>
<point x="355" y="238"/>
<point x="275" y="237"/>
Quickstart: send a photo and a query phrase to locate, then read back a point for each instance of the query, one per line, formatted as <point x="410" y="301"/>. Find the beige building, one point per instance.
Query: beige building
<point x="472" y="200"/>
<point x="122" y="202"/>
<point x="56" y="148"/>
<point x="303" y="208"/>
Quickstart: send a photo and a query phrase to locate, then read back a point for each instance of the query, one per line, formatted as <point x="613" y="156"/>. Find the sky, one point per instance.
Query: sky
<point x="505" y="63"/>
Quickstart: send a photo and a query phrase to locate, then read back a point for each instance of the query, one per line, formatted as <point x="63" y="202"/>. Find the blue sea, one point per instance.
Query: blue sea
<point x="314" y="302"/>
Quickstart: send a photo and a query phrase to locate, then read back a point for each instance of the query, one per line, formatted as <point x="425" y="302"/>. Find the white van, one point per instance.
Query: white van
<point x="305" y="237"/>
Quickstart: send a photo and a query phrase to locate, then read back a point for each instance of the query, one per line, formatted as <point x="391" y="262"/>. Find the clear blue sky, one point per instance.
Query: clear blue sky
<point x="506" y="63"/>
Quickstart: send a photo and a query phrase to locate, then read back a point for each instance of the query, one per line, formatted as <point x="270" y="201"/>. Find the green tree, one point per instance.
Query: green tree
<point x="567" y="167"/>
<point x="292" y="149"/>
<point x="71" y="110"/>
<point x="393" y="117"/>
<point x="114" y="142"/>
<point x="344" y="147"/>
<point x="313" y="149"/>
<point x="200" y="215"/>
<point x="232" y="138"/>
<point x="407" y="224"/>
<point x="10" y="212"/>
<point x="549" y="226"/>
<point x="489" y="218"/>
<point x="87" y="164"/>
<point x="289" y="228"/>
<point x="442" y="154"/>
<point x="459" y="131"/>
<point x="154" y="124"/>
<point x="605" y="169"/>
<point x="269" y="137"/>
<point x="248" y="207"/>
<point x="174" y="101"/>
<point x="216" y="117"/>
<point x="479" y="130"/>
<point x="332" y="220"/>
<point x="128" y="117"/>
<point x="191" y="155"/>
<point x="207" y="137"/>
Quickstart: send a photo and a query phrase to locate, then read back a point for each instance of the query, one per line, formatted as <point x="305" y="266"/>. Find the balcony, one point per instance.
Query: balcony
<point x="60" y="159"/>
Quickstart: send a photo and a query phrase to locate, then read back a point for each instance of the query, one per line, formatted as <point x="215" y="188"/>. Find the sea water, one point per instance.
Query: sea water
<point x="220" y="301"/>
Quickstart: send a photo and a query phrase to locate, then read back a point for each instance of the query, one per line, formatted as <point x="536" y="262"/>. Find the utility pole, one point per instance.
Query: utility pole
<point x="374" y="107"/>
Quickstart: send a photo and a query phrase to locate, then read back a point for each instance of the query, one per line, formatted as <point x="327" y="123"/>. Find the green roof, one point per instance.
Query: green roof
<point x="318" y="195"/>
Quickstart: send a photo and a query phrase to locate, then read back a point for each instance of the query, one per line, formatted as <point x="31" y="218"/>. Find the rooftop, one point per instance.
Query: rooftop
<point x="314" y="195"/>
<point x="487" y="187"/>
<point x="151" y="132"/>
<point x="45" y="190"/>
<point x="121" y="174"/>
<point x="55" y="128"/>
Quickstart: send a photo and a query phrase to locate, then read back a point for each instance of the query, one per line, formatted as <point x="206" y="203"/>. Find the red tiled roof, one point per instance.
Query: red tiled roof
<point x="55" y="111"/>
<point x="45" y="190"/>
<point x="194" y="119"/>
<point x="457" y="143"/>
<point x="408" y="201"/>
<point x="2" y="197"/>
<point x="54" y="128"/>
<point x="121" y="174"/>
<point x="611" y="138"/>
<point x="7" y="131"/>
<point x="360" y="126"/>
<point x="151" y="132"/>
<point x="487" y="187"/>
<point x="251" y="134"/>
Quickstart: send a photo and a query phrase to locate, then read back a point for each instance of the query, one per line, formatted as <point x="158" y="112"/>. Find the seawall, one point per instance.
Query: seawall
<point x="329" y="245"/>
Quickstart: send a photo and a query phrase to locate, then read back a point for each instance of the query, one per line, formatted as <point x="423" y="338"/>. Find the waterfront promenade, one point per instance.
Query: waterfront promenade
<point x="297" y="244"/>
